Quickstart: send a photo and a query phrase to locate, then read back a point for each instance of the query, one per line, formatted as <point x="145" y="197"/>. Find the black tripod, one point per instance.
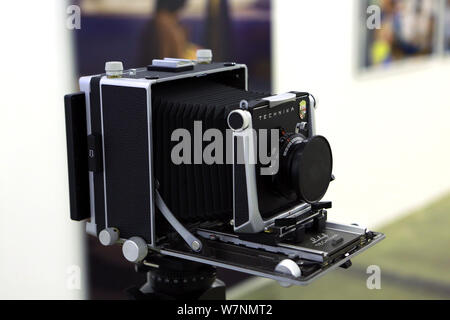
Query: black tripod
<point x="175" y="279"/>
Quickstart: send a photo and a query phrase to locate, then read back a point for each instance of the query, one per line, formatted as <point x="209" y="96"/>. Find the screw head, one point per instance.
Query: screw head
<point x="243" y="104"/>
<point x="196" y="245"/>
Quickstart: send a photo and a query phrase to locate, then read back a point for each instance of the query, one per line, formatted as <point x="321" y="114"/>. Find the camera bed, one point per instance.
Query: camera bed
<point x="315" y="256"/>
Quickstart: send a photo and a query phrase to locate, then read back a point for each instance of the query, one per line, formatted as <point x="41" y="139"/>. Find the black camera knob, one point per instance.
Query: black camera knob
<point x="239" y="120"/>
<point x="307" y="165"/>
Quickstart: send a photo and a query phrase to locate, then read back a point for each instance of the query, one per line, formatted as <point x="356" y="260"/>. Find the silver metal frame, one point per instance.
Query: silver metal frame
<point x="247" y="147"/>
<point x="85" y="86"/>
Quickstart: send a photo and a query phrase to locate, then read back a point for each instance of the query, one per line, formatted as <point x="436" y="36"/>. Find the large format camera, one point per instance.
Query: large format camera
<point x="178" y="160"/>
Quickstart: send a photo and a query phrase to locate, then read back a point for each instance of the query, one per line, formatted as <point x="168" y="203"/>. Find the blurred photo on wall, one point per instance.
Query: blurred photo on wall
<point x="408" y="29"/>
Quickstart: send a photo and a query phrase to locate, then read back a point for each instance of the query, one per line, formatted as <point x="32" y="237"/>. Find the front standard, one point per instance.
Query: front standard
<point x="188" y="170"/>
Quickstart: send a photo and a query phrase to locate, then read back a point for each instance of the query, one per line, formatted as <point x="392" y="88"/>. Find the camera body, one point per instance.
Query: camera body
<point x="137" y="181"/>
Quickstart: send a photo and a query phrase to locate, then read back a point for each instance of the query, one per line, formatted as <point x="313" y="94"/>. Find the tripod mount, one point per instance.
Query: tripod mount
<point x="170" y="278"/>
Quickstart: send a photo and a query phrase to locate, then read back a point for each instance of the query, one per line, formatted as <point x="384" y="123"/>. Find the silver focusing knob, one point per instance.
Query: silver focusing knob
<point x="135" y="249"/>
<point x="204" y="56"/>
<point x="114" y="69"/>
<point x="288" y="267"/>
<point x="108" y="236"/>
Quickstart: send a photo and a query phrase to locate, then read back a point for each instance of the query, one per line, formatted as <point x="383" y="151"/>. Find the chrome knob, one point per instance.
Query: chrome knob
<point x="288" y="267"/>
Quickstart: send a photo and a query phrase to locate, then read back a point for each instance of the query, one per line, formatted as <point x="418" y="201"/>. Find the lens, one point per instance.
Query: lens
<point x="306" y="165"/>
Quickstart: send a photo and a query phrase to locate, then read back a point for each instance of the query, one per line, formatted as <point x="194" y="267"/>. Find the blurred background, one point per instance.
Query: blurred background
<point x="384" y="104"/>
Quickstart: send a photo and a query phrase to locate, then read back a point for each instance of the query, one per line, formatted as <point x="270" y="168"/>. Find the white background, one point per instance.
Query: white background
<point x="38" y="242"/>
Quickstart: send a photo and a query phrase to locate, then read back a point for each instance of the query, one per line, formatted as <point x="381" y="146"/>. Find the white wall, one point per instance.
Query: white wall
<point x="38" y="243"/>
<point x="389" y="130"/>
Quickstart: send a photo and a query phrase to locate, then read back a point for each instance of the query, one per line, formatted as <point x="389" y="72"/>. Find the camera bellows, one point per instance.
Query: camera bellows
<point x="192" y="189"/>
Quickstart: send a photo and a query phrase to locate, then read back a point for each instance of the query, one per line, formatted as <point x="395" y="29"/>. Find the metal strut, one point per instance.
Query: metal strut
<point x="193" y="242"/>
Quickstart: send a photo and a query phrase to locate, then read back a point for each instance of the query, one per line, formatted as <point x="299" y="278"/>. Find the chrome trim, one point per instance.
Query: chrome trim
<point x="85" y="86"/>
<point x="103" y="154"/>
<point x="247" y="146"/>
<point x="150" y="164"/>
<point x="312" y="103"/>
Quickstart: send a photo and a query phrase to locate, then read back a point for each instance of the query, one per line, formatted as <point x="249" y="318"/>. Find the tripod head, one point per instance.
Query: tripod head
<point x="176" y="279"/>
